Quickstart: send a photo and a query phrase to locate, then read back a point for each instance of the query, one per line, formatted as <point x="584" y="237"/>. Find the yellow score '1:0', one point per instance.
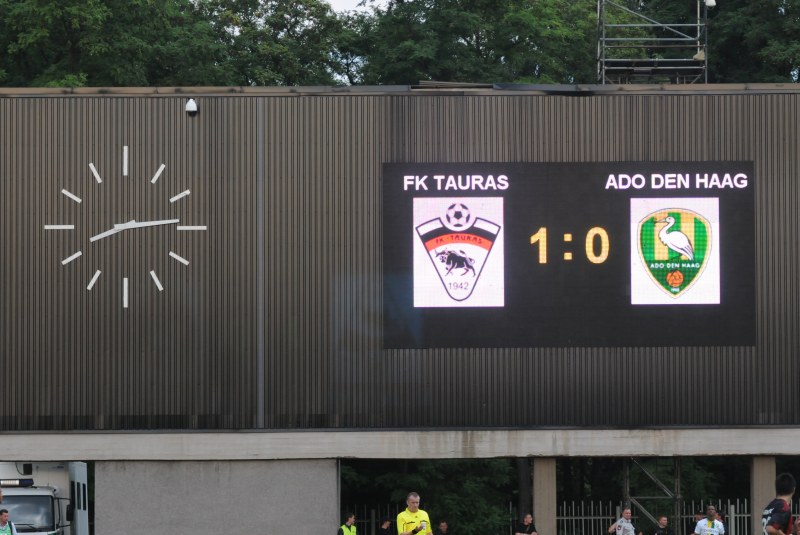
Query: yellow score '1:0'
<point x="592" y="254"/>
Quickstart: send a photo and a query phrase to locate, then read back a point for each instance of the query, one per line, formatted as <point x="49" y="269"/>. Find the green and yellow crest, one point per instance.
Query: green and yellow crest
<point x="674" y="246"/>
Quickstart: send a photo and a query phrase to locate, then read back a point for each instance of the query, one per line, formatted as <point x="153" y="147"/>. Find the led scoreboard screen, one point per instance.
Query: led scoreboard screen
<point x="568" y="254"/>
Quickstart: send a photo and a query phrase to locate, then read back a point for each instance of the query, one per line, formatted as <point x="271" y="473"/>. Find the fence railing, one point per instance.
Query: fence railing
<point x="367" y="516"/>
<point x="585" y="517"/>
<point x="591" y="517"/>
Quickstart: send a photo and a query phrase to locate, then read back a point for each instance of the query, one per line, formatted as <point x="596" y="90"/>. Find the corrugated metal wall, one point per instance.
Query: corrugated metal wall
<point x="276" y="321"/>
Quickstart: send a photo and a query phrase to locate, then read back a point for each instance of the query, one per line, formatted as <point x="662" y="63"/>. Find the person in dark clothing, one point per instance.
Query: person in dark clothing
<point x="663" y="528"/>
<point x="777" y="515"/>
<point x="443" y="528"/>
<point x="385" y="526"/>
<point x="526" y="526"/>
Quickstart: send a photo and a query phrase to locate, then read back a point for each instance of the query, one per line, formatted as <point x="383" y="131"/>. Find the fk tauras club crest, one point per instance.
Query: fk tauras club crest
<point x="458" y="244"/>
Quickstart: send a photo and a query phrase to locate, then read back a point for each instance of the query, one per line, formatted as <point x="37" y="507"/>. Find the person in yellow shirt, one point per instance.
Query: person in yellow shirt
<point x="349" y="526"/>
<point x="413" y="520"/>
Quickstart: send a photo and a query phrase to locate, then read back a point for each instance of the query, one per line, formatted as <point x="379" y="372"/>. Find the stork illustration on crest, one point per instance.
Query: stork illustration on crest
<point x="674" y="247"/>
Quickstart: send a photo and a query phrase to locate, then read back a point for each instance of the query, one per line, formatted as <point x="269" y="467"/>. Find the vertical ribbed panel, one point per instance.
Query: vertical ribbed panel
<point x="74" y="358"/>
<point x="277" y="320"/>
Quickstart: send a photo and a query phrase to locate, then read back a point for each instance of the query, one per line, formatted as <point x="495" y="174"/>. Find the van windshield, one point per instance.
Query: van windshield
<point x="30" y="513"/>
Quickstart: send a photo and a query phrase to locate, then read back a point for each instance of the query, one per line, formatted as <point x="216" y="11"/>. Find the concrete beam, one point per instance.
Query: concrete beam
<point x="471" y="444"/>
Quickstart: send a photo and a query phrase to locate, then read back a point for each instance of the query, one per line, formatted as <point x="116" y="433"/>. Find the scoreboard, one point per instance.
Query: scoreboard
<point x="568" y="254"/>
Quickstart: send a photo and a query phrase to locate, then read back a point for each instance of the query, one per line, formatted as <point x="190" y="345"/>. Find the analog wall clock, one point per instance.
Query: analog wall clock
<point x="121" y="218"/>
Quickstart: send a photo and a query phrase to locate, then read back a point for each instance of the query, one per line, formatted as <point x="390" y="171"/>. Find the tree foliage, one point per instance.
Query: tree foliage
<point x="169" y="42"/>
<point x="461" y="491"/>
<point x="464" y="490"/>
<point x="748" y="40"/>
<point x="281" y="42"/>
<point x="303" y="42"/>
<point x="542" y="41"/>
<point x="105" y="43"/>
<point x="701" y="479"/>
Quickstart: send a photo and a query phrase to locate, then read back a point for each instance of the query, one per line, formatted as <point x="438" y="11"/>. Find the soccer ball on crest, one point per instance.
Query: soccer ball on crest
<point x="458" y="216"/>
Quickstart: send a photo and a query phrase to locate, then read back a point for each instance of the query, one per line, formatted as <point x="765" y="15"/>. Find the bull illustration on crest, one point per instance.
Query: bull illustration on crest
<point x="452" y="260"/>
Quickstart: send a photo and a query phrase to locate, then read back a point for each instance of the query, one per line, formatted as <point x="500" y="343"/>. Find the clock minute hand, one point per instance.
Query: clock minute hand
<point x="140" y="224"/>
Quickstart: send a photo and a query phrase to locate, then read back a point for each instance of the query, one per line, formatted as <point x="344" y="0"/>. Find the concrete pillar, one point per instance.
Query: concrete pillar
<point x="762" y="488"/>
<point x="544" y="494"/>
<point x="214" y="497"/>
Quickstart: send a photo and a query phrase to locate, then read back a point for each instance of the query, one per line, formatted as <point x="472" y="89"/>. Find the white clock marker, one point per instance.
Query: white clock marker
<point x="179" y="259"/>
<point x="95" y="173"/>
<point x="94" y="279"/>
<point x="125" y="292"/>
<point x="180" y="196"/>
<point x="158" y="173"/>
<point x="59" y="227"/>
<point x="197" y="227"/>
<point x="69" y="259"/>
<point x="125" y="160"/>
<point x="158" y="282"/>
<point x="71" y="196"/>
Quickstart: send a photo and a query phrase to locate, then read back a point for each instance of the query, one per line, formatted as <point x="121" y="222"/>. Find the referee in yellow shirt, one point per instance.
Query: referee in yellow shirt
<point x="413" y="520"/>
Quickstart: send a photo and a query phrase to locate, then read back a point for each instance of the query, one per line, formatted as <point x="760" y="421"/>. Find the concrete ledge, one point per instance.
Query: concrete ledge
<point x="194" y="446"/>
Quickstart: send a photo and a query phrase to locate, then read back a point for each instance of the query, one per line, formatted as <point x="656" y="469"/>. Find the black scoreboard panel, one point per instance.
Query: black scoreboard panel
<point x="569" y="254"/>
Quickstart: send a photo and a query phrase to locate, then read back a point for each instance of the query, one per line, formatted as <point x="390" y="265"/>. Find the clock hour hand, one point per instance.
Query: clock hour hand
<point x="108" y="232"/>
<point x="140" y="224"/>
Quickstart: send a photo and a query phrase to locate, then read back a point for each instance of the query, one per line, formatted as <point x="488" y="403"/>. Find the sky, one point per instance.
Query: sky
<point x="343" y="5"/>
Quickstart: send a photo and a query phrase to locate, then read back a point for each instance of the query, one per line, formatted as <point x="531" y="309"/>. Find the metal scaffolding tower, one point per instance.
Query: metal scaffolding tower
<point x="648" y="51"/>
<point x="645" y="503"/>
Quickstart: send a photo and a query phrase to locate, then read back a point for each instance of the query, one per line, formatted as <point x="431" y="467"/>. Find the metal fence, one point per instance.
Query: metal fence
<point x="594" y="518"/>
<point x="585" y="517"/>
<point x="590" y="517"/>
<point x="367" y="516"/>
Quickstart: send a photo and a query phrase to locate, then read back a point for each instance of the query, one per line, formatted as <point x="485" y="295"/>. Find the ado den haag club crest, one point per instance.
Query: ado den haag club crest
<point x="458" y="243"/>
<point x="674" y="246"/>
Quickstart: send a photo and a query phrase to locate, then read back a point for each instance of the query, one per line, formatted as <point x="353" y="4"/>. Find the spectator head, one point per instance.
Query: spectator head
<point x="785" y="484"/>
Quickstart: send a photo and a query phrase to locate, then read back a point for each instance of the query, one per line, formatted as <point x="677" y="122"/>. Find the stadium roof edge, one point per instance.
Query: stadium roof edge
<point x="426" y="88"/>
